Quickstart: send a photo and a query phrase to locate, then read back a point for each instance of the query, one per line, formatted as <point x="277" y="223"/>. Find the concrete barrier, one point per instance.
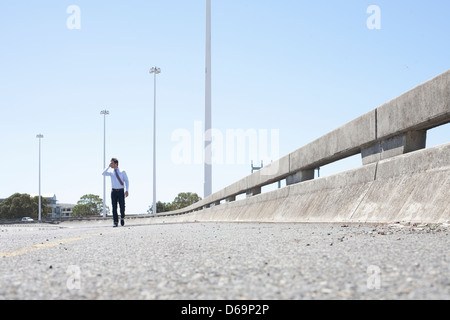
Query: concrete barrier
<point x="414" y="187"/>
<point x="409" y="188"/>
<point x="399" y="180"/>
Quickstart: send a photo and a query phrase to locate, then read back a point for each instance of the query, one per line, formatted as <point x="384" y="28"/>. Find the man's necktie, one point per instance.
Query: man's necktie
<point x="117" y="175"/>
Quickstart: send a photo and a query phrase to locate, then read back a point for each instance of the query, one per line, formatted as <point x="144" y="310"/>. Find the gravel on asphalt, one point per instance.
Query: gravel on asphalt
<point x="226" y="261"/>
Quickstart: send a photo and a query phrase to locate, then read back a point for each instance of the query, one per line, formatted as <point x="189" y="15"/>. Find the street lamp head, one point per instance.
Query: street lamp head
<point x="40" y="136"/>
<point x="155" y="70"/>
<point x="104" y="112"/>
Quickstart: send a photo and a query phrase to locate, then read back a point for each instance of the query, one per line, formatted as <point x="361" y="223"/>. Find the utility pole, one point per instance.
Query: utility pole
<point x="208" y="117"/>
<point x="154" y="71"/>
<point x="104" y="113"/>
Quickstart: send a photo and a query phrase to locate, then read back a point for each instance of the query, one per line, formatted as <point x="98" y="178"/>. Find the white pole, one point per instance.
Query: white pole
<point x="155" y="71"/>
<point x="40" y="136"/>
<point x="104" y="165"/>
<point x="104" y="113"/>
<point x="39" y="180"/>
<point x="208" y="120"/>
<point x="154" y="143"/>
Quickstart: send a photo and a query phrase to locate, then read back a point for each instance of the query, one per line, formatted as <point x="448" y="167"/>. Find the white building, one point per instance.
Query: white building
<point x="57" y="210"/>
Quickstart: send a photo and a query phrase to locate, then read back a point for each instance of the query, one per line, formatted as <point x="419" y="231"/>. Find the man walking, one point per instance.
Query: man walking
<point x="119" y="181"/>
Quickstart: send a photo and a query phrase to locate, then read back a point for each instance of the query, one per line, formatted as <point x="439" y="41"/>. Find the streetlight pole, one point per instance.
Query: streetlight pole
<point x="40" y="136"/>
<point x="104" y="113"/>
<point x="208" y="135"/>
<point x="154" y="71"/>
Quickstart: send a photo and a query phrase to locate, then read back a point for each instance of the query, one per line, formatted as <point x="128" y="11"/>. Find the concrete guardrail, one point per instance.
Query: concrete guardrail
<point x="391" y="140"/>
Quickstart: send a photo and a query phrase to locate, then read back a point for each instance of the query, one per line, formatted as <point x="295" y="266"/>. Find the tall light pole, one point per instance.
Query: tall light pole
<point x="104" y="113"/>
<point x="40" y="136"/>
<point x="208" y="135"/>
<point x="154" y="71"/>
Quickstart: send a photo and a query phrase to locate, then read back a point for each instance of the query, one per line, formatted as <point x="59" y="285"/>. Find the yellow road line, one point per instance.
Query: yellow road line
<point x="48" y="245"/>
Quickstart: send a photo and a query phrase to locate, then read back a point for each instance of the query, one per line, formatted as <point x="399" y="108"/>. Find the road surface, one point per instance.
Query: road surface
<point x="151" y="260"/>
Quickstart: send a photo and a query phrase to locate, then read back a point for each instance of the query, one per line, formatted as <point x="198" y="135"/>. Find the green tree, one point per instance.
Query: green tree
<point x="22" y="205"/>
<point x="185" y="199"/>
<point x="89" y="205"/>
<point x="161" y="207"/>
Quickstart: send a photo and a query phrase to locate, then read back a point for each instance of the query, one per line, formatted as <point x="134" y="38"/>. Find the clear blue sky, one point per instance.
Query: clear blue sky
<point x="300" y="67"/>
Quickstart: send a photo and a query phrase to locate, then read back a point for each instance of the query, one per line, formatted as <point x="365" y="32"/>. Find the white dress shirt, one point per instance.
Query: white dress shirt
<point x="115" y="184"/>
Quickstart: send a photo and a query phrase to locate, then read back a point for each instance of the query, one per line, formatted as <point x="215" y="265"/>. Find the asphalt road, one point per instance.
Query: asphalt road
<point x="149" y="260"/>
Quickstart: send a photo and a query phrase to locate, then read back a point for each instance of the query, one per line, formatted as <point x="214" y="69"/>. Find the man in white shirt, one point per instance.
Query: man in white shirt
<point x="119" y="181"/>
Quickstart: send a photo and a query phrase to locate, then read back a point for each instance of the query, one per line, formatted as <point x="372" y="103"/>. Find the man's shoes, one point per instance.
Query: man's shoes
<point x="122" y="222"/>
<point x="115" y="225"/>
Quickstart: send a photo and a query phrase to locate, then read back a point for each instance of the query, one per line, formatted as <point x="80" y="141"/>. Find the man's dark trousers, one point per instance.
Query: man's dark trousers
<point x="118" y="195"/>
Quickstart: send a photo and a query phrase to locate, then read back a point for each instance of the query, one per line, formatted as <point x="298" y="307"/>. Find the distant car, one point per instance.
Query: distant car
<point x="27" y="219"/>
